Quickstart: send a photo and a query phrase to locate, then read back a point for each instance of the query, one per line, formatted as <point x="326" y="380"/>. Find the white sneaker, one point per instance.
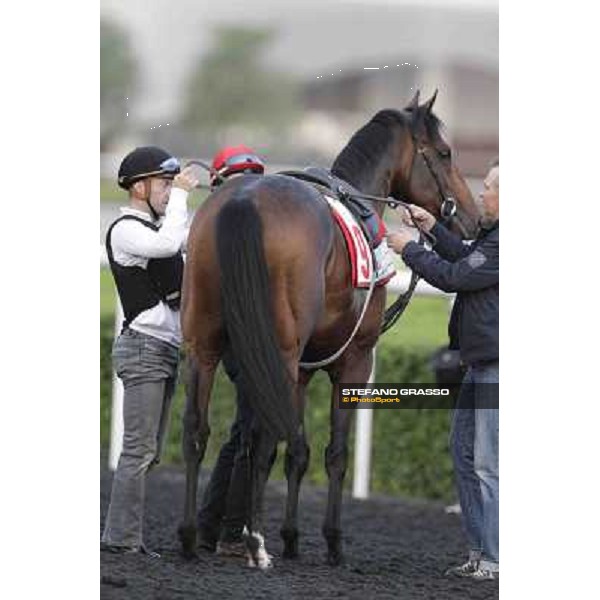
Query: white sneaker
<point x="473" y="570"/>
<point x="484" y="574"/>
<point x="465" y="570"/>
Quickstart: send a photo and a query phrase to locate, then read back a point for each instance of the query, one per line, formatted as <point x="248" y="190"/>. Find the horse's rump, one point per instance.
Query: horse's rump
<point x="255" y="279"/>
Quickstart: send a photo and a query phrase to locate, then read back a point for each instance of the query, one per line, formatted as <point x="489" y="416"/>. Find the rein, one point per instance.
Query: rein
<point x="397" y="308"/>
<point x="448" y="210"/>
<point x="393" y="203"/>
<point x="202" y="164"/>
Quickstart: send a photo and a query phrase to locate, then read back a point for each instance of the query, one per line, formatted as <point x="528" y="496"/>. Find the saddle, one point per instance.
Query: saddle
<point x="370" y="222"/>
<point x="354" y="209"/>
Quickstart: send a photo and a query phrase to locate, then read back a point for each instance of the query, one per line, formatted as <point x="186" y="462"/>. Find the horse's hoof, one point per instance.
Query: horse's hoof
<point x="187" y="537"/>
<point x="335" y="556"/>
<point x="335" y="559"/>
<point x="256" y="552"/>
<point x="262" y="562"/>
<point x="290" y="543"/>
<point x="290" y="553"/>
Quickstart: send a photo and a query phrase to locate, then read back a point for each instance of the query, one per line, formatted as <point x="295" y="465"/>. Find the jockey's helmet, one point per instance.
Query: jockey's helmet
<point x="147" y="161"/>
<point x="235" y="159"/>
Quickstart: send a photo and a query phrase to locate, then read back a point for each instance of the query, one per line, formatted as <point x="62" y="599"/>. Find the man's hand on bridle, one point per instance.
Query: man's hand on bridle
<point x="415" y="214"/>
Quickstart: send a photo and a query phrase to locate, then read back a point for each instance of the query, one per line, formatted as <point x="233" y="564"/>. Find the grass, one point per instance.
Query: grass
<point x="423" y="325"/>
<point x="107" y="294"/>
<point x="111" y="192"/>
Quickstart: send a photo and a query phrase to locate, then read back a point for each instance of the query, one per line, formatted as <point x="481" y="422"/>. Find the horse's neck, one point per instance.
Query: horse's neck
<point x="380" y="187"/>
<point x="376" y="185"/>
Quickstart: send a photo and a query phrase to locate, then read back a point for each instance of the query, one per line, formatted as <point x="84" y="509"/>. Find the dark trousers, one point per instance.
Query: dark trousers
<point x="225" y="502"/>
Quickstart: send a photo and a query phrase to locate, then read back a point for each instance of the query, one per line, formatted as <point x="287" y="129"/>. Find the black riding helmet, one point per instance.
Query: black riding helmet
<point x="147" y="161"/>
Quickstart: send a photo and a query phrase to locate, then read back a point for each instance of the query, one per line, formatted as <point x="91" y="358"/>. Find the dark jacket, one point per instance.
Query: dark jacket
<point x="471" y="270"/>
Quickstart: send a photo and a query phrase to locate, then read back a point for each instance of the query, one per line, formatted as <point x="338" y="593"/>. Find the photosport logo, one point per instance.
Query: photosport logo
<point x="424" y="395"/>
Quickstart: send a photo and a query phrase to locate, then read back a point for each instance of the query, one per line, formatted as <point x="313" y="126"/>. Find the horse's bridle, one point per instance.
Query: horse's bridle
<point x="448" y="210"/>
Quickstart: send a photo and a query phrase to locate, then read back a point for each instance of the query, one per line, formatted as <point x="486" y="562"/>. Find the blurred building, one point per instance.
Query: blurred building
<point x="326" y="45"/>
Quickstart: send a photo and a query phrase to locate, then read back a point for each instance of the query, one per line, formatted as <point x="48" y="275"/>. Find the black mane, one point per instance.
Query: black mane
<point x="357" y="162"/>
<point x="361" y="155"/>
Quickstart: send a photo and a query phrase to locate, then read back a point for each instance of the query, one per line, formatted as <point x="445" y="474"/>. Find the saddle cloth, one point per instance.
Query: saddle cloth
<point x="361" y="259"/>
<point x="363" y="229"/>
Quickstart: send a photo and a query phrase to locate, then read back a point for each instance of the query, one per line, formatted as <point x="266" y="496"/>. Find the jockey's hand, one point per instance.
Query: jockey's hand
<point x="398" y="239"/>
<point x="423" y="218"/>
<point x="188" y="179"/>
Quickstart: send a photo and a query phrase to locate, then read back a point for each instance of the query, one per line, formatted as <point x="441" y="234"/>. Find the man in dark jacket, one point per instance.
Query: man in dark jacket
<point x="472" y="271"/>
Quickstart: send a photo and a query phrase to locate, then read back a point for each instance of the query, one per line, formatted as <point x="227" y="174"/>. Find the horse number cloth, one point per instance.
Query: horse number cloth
<point x="359" y="252"/>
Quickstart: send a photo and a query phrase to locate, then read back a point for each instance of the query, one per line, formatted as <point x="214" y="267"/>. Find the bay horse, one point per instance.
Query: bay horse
<point x="268" y="274"/>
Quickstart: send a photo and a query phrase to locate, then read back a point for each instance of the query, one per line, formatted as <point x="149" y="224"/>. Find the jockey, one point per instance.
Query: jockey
<point x="234" y="160"/>
<point x="224" y="507"/>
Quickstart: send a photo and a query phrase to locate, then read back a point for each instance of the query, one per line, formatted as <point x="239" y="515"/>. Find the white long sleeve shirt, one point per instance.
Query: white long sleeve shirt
<point x="133" y="244"/>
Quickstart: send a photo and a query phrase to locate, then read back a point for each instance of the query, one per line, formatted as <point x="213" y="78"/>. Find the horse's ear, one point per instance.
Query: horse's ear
<point x="413" y="105"/>
<point x="429" y="104"/>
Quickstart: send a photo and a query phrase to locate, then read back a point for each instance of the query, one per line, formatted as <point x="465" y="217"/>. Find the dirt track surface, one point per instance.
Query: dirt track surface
<point x="395" y="548"/>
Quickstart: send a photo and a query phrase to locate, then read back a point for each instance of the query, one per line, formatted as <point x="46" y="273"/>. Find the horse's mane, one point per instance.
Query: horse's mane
<point x="361" y="155"/>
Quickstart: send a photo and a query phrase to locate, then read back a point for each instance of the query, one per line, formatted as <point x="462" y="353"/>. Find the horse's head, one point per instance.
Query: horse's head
<point x="425" y="173"/>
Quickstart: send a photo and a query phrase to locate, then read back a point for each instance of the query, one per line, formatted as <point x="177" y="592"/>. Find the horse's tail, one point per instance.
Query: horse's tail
<point x="248" y="316"/>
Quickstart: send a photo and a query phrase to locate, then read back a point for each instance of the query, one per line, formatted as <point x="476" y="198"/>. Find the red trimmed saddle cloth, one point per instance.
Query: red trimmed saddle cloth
<point x="362" y="259"/>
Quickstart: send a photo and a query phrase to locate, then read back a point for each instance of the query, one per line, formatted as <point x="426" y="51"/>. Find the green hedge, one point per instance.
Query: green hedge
<point x="410" y="449"/>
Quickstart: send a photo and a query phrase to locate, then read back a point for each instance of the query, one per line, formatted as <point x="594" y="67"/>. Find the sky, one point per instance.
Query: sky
<point x="168" y="37"/>
<point x="479" y="4"/>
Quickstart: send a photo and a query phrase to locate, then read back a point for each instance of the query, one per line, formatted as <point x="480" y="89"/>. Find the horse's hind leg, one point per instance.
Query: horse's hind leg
<point x="264" y="447"/>
<point x="296" y="462"/>
<point x="263" y="451"/>
<point x="195" y="436"/>
<point x="354" y="369"/>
